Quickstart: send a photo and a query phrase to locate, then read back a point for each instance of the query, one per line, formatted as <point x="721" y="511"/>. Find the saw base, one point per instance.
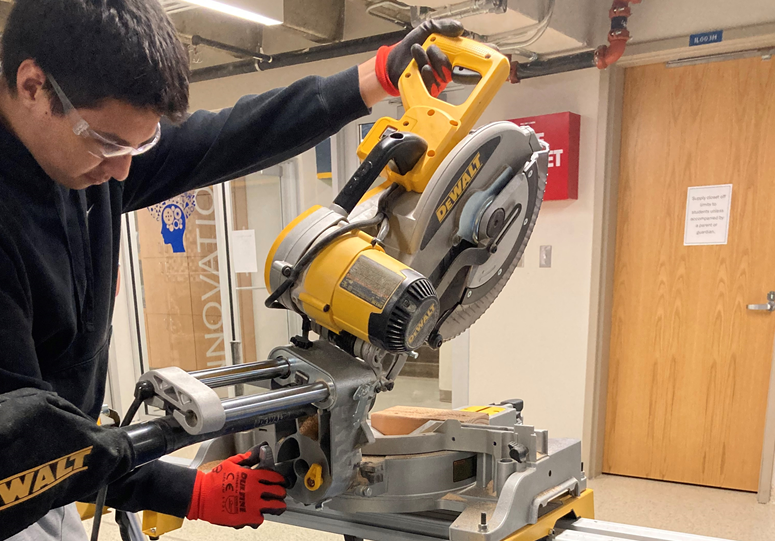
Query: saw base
<point x="430" y="526"/>
<point x="570" y="520"/>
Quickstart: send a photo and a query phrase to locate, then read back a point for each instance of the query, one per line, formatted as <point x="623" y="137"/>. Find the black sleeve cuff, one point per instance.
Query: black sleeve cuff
<point x="158" y="486"/>
<point x="341" y="96"/>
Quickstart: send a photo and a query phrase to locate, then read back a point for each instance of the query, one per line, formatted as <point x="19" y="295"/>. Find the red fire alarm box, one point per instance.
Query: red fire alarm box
<point x="561" y="131"/>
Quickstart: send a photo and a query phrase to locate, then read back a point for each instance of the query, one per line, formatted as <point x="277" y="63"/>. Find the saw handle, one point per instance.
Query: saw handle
<point x="401" y="148"/>
<point x="442" y="125"/>
<point x="466" y="56"/>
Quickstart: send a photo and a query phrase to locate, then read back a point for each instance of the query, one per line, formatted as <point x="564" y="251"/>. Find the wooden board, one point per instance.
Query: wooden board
<point x="689" y="364"/>
<point x="402" y="420"/>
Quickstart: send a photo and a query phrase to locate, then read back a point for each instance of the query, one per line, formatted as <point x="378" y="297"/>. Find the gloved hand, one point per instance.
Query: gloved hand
<point x="235" y="495"/>
<point x="435" y="67"/>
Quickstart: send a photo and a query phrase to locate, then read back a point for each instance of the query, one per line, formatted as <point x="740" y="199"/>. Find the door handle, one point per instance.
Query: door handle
<point x="769" y="307"/>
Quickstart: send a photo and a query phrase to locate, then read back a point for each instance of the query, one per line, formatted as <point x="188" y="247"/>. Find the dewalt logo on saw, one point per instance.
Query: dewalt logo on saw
<point x="459" y="188"/>
<point x="430" y="314"/>
<point x="465" y="173"/>
<point x="28" y="484"/>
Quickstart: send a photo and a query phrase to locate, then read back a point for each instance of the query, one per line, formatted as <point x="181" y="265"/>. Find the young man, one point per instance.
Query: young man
<point x="93" y="94"/>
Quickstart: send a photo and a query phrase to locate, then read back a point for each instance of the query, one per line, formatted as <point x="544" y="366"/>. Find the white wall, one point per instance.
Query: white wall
<point x="445" y="367"/>
<point x="660" y="19"/>
<point x="265" y="217"/>
<point x="532" y="343"/>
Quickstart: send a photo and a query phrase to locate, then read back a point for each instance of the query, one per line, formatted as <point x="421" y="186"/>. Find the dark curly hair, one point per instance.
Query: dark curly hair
<point x="99" y="49"/>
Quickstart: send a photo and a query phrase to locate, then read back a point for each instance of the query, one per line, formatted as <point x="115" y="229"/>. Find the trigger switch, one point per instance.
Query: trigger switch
<point x="465" y="76"/>
<point x="265" y="456"/>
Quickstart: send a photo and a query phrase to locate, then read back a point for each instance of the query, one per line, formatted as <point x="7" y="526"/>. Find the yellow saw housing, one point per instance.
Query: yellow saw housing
<point x="352" y="285"/>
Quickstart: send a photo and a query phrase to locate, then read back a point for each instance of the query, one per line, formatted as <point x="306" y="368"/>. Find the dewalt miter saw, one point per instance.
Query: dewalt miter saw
<point x="412" y="251"/>
<point x="418" y="259"/>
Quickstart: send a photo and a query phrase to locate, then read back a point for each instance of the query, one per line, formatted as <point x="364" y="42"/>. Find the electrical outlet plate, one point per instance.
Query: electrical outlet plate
<point x="545" y="257"/>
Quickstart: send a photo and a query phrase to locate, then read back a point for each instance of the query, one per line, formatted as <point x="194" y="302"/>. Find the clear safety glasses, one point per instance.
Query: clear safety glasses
<point x="104" y="147"/>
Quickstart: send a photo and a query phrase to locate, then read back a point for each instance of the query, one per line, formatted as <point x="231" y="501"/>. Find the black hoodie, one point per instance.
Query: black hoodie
<point x="58" y="265"/>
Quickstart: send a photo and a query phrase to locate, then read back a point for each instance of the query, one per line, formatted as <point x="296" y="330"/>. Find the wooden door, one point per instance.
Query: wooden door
<point x="689" y="364"/>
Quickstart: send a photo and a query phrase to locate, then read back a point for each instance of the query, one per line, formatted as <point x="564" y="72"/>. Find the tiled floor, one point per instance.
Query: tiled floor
<point x="690" y="509"/>
<point x="704" y="511"/>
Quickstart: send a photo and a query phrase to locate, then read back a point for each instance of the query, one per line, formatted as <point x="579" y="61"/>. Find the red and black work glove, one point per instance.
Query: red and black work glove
<point x="234" y="495"/>
<point x="435" y="67"/>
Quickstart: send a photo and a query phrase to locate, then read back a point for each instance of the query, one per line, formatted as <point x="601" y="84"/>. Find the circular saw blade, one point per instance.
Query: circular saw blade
<point x="484" y="282"/>
<point x="472" y="308"/>
<point x="425" y="229"/>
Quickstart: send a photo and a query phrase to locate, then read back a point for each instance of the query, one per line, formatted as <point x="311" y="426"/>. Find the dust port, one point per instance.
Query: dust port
<point x="289" y="451"/>
<point x="301" y="468"/>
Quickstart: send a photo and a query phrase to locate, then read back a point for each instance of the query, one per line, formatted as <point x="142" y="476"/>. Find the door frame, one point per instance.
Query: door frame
<point x="611" y="104"/>
<point x="290" y="187"/>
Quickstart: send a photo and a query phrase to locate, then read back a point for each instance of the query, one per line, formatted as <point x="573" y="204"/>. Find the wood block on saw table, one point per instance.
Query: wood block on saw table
<point x="402" y="420"/>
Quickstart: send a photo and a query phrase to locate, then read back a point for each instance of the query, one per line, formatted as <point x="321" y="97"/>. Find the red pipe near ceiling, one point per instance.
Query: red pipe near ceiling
<point x="618" y="36"/>
<point x="602" y="57"/>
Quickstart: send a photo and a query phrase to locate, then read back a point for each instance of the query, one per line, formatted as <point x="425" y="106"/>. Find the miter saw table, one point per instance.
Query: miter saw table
<point x="445" y="480"/>
<point x="461" y="482"/>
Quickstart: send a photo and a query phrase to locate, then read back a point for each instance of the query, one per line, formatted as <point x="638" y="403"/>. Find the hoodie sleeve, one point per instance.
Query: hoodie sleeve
<point x="258" y="132"/>
<point x="51" y="453"/>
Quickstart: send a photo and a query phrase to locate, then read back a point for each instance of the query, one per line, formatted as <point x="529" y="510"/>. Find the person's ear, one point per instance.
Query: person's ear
<point x="30" y="80"/>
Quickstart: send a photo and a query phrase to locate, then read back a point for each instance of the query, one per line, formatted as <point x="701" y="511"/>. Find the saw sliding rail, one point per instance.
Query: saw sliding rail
<point x="243" y="373"/>
<point x="595" y="530"/>
<point x="153" y="439"/>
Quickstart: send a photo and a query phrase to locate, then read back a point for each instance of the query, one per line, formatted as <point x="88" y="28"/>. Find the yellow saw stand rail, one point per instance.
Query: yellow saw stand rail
<point x="569" y="508"/>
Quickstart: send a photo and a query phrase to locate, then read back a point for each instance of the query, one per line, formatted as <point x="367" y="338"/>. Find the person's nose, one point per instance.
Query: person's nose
<point x="118" y="167"/>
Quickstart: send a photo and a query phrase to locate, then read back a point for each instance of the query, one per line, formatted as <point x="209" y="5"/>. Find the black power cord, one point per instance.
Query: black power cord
<point x="143" y="391"/>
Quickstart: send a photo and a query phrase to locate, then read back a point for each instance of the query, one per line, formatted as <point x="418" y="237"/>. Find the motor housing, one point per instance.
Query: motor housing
<point x="352" y="285"/>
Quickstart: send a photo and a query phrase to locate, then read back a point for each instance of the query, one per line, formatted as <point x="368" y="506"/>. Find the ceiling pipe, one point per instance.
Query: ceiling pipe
<point x="467" y="8"/>
<point x="291" y="58"/>
<point x="199" y="40"/>
<point x="601" y="58"/>
<point x="606" y="55"/>
<point x="399" y="6"/>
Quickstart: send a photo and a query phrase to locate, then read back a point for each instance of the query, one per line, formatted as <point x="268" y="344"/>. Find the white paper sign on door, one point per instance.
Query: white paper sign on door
<point x="243" y="251"/>
<point x="707" y="215"/>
